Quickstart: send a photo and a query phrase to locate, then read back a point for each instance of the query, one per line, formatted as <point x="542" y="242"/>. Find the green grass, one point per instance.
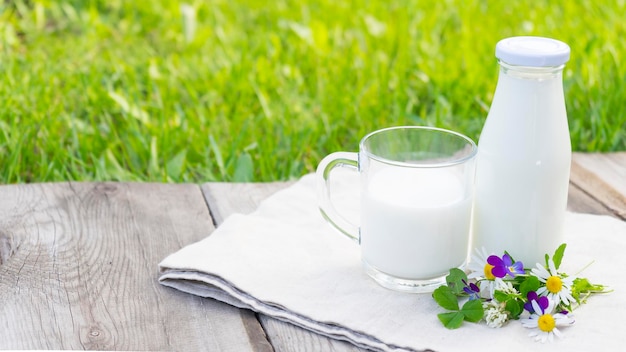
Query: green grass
<point x="261" y="91"/>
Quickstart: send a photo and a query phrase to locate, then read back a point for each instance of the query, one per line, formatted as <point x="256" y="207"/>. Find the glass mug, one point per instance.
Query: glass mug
<point x="416" y="188"/>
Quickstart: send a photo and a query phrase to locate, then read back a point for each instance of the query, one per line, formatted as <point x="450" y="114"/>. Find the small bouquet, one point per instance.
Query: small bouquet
<point x="499" y="289"/>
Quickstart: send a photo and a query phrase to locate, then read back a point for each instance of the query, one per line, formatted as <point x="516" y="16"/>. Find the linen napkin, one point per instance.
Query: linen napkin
<point x="285" y="261"/>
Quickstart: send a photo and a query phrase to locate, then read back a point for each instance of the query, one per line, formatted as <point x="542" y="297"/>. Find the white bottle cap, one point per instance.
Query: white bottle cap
<point x="532" y="51"/>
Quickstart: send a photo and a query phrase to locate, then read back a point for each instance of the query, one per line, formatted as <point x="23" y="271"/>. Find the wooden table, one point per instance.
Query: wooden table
<point x="78" y="263"/>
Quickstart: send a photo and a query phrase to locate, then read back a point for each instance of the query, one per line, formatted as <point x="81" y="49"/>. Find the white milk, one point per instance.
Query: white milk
<point x="415" y="223"/>
<point x="522" y="169"/>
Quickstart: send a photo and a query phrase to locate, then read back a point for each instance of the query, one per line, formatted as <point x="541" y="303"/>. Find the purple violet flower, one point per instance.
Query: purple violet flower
<point x="472" y="290"/>
<point x="542" y="302"/>
<point x="505" y="266"/>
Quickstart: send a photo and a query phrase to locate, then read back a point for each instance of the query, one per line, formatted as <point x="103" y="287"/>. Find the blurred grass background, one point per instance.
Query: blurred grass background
<point x="235" y="90"/>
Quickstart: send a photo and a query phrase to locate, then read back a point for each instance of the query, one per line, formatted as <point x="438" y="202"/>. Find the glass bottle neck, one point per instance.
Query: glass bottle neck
<point x="531" y="72"/>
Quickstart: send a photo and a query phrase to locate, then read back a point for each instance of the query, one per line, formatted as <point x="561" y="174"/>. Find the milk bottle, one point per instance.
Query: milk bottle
<point x="524" y="153"/>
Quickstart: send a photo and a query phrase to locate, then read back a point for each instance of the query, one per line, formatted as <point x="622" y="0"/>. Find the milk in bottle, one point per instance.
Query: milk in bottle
<point x="524" y="153"/>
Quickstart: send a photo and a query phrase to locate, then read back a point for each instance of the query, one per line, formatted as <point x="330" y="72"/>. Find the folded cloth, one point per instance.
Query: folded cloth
<point x="286" y="262"/>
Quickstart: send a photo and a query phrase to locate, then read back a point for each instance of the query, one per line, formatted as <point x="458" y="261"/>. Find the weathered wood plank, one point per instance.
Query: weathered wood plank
<point x="286" y="337"/>
<point x="580" y="202"/>
<point x="244" y="198"/>
<point x="78" y="270"/>
<point x="603" y="178"/>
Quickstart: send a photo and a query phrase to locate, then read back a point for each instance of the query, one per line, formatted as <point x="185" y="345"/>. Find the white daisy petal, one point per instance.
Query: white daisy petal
<point x="477" y="264"/>
<point x="557" y="332"/>
<point x="536" y="306"/>
<point x="532" y="322"/>
<point x="540" y="272"/>
<point x="563" y="319"/>
<point x="552" y="267"/>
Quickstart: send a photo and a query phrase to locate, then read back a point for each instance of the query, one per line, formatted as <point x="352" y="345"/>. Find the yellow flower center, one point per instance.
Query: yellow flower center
<point x="546" y="323"/>
<point x="554" y="284"/>
<point x="488" y="273"/>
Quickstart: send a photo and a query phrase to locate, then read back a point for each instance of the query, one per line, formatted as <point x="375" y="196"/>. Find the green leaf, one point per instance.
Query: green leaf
<point x="583" y="286"/>
<point x="558" y="255"/>
<point x="500" y="296"/>
<point x="455" y="281"/>
<point x="514" y="307"/>
<point x="445" y="298"/>
<point x="530" y="284"/>
<point x="451" y="320"/>
<point x="473" y="310"/>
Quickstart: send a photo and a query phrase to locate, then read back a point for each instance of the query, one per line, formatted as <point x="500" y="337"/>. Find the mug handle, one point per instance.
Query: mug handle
<point x="327" y="208"/>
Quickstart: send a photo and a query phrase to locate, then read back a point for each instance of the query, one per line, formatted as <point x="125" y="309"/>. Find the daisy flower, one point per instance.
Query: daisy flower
<point x="544" y="322"/>
<point x="478" y="265"/>
<point x="557" y="287"/>
<point x="482" y="271"/>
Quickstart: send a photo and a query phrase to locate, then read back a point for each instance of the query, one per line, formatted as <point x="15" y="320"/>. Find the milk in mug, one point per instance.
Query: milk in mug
<point x="416" y="186"/>
<point x="415" y="222"/>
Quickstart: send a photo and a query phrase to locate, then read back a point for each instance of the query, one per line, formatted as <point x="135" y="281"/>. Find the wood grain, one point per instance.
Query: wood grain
<point x="286" y="337"/>
<point x="579" y="201"/>
<point x="79" y="271"/>
<point x="603" y="178"/>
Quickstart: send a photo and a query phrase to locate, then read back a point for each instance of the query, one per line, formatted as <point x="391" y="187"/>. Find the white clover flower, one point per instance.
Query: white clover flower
<point x="495" y="315"/>
<point x="506" y="287"/>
